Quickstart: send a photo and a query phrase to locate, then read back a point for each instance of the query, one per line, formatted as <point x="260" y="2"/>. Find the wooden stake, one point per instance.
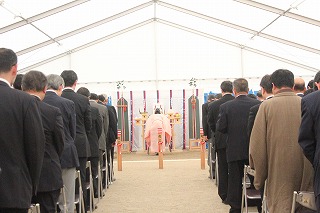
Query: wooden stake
<point x="203" y="148"/>
<point x="203" y="165"/>
<point x="119" y="156"/>
<point x="119" y="153"/>
<point x="161" y="160"/>
<point x="160" y="153"/>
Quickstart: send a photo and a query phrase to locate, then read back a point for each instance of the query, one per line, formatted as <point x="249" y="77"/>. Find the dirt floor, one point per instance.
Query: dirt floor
<point x="180" y="187"/>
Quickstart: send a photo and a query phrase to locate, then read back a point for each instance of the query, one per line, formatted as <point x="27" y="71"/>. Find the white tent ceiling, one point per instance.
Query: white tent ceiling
<point x="161" y="41"/>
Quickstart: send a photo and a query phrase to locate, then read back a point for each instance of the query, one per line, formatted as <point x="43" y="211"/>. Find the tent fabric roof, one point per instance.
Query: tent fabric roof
<point x="44" y="31"/>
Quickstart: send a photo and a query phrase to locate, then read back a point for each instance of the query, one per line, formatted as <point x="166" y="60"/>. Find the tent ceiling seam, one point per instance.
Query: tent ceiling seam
<point x="280" y="11"/>
<point x="193" y="13"/>
<point x="86" y="45"/>
<point x="40" y="16"/>
<point x="238" y="27"/>
<point x="237" y="45"/>
<point x="258" y="33"/>
<point x="85" y="28"/>
<point x="172" y="25"/>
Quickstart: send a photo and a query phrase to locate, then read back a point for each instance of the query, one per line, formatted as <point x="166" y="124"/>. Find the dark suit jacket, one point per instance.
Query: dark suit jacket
<point x="252" y="116"/>
<point x="83" y="121"/>
<point x="233" y="121"/>
<point x="95" y="132"/>
<point x="22" y="147"/>
<point x="205" y="126"/>
<point x="69" y="157"/>
<point x="51" y="176"/>
<point x="113" y="123"/>
<point x="213" y="114"/>
<point x="309" y="136"/>
<point x="104" y="115"/>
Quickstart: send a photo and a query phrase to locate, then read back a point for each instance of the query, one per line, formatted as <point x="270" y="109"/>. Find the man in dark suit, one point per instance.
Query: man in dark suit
<point x="83" y="115"/>
<point x="104" y="115"/>
<point x="35" y="84"/>
<point x="207" y="135"/>
<point x="233" y="121"/>
<point x="112" y="133"/>
<point x="93" y="138"/>
<point x="309" y="134"/>
<point x="220" y="139"/>
<point x="21" y="138"/>
<point x="266" y="92"/>
<point x="69" y="158"/>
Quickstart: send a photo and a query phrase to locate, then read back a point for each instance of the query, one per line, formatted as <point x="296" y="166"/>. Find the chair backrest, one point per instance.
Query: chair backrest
<point x="306" y="199"/>
<point x="34" y="208"/>
<point x="79" y="197"/>
<point x="250" y="171"/>
<point x="247" y="192"/>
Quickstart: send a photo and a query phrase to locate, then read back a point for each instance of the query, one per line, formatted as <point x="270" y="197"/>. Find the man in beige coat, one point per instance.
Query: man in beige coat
<point x="274" y="150"/>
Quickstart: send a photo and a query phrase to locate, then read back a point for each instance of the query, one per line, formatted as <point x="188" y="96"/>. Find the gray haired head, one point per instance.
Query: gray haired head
<point x="55" y="81"/>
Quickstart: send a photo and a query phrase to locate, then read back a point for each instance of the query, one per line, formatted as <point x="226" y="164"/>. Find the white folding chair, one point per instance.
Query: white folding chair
<point x="63" y="193"/>
<point x="264" y="199"/>
<point x="216" y="171"/>
<point x="78" y="198"/>
<point x="306" y="199"/>
<point x="89" y="185"/>
<point x="247" y="193"/>
<point x="104" y="173"/>
<point x="110" y="171"/>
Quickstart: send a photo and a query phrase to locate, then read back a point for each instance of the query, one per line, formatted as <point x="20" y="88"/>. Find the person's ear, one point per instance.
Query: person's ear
<point x="45" y="89"/>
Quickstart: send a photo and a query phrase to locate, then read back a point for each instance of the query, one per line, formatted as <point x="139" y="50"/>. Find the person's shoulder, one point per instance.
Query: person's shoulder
<point x="227" y="103"/>
<point x="102" y="107"/>
<point x="65" y="101"/>
<point x="94" y="109"/>
<point x="25" y="97"/>
<point x="255" y="107"/>
<point x="312" y="97"/>
<point x="49" y="108"/>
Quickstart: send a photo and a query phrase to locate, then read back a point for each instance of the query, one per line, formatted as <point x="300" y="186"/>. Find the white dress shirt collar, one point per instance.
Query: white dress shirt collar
<point x="4" y="80"/>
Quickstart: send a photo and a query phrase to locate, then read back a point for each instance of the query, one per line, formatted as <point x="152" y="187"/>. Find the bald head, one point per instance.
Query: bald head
<point x="299" y="85"/>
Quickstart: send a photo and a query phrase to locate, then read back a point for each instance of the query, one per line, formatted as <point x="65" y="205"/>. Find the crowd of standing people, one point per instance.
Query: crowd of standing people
<point x="277" y="136"/>
<point x="48" y="131"/>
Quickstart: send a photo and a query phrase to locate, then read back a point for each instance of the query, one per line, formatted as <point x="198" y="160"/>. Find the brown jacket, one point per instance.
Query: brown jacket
<point x="275" y="153"/>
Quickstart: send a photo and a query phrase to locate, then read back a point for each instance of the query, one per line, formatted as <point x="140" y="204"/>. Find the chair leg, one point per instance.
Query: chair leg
<point x="216" y="171"/>
<point x="294" y="202"/>
<point x="111" y="169"/>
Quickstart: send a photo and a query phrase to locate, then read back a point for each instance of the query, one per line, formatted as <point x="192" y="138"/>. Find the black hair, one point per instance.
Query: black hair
<point x="8" y="58"/>
<point x="226" y="86"/>
<point x="83" y="91"/>
<point x="282" y="78"/>
<point x="69" y="77"/>
<point x="34" y="81"/>
<point x="266" y="83"/>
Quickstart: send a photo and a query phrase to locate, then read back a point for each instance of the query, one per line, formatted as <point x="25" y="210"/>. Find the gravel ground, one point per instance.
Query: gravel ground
<point x="180" y="187"/>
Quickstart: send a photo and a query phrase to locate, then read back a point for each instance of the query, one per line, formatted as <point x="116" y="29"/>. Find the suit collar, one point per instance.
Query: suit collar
<point x="36" y="97"/>
<point x="270" y="96"/>
<point x="5" y="81"/>
<point x="68" y="89"/>
<point x="50" y="91"/>
<point x="285" y="93"/>
<point x="241" y="96"/>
